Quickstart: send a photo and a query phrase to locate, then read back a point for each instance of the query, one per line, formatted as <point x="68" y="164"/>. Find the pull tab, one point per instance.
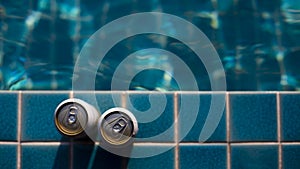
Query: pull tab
<point x="119" y="126"/>
<point x="72" y="117"/>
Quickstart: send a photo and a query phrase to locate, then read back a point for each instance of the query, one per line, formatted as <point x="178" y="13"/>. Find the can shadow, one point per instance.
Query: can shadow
<point x="62" y="156"/>
<point x="85" y="154"/>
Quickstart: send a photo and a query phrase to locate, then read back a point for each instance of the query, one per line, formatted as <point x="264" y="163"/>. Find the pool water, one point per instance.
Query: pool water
<point x="257" y="41"/>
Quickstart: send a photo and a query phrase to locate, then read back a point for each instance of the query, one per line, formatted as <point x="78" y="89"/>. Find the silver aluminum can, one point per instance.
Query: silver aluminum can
<point x="76" y="118"/>
<point x="117" y="127"/>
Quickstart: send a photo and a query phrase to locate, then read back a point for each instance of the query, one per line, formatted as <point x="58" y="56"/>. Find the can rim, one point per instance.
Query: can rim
<point x="127" y="113"/>
<point x="56" y="113"/>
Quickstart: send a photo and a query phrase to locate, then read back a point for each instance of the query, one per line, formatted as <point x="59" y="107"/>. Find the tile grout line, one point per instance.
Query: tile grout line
<point x="19" y="130"/>
<point x="228" y="131"/>
<point x="154" y="92"/>
<point x="71" y="151"/>
<point x="254" y="143"/>
<point x="123" y="99"/>
<point x="200" y="144"/>
<point x="278" y="100"/>
<point x="154" y="143"/>
<point x="176" y="157"/>
<point x="41" y="143"/>
<point x="290" y="143"/>
<point x="9" y="143"/>
<point x="71" y="94"/>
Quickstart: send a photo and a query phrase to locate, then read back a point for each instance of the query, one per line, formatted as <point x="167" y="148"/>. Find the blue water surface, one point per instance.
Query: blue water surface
<point x="258" y="43"/>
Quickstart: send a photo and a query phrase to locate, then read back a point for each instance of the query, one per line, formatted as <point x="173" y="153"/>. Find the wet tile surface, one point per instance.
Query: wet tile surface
<point x="193" y="116"/>
<point x="206" y="156"/>
<point x="45" y="156"/>
<point x="156" y="119"/>
<point x="8" y="156"/>
<point x="8" y="115"/>
<point x="290" y="117"/>
<point x="38" y="116"/>
<point x="253" y="117"/>
<point x="254" y="156"/>
<point x="163" y="160"/>
<point x="291" y="156"/>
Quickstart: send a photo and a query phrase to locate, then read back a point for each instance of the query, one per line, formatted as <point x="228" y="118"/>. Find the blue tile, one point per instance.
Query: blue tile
<point x="8" y="115"/>
<point x="102" y="101"/>
<point x="8" y="156"/>
<point x="253" y="117"/>
<point x="37" y="115"/>
<point x="93" y="156"/>
<point x="291" y="156"/>
<point x="254" y="156"/>
<point x="202" y="156"/>
<point x="164" y="160"/>
<point x="290" y="113"/>
<point x="45" y="156"/>
<point x="192" y="135"/>
<point x="156" y="119"/>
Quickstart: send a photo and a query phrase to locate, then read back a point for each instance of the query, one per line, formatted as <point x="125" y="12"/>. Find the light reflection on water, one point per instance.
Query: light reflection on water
<point x="258" y="42"/>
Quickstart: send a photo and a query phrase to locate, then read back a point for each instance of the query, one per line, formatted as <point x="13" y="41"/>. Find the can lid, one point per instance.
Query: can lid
<point x="71" y="118"/>
<point x="117" y="126"/>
